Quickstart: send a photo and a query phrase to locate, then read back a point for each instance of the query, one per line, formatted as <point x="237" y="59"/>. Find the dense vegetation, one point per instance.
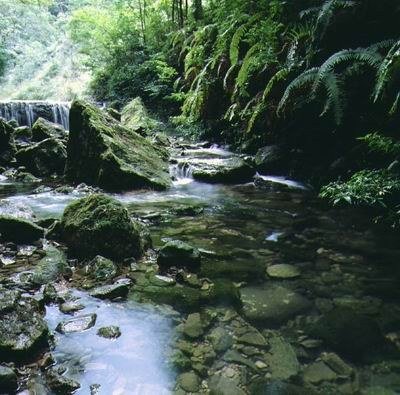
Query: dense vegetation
<point x="311" y="76"/>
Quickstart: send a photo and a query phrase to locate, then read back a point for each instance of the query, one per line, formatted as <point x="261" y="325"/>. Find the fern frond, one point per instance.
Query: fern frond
<point x="303" y="80"/>
<point x="235" y="44"/>
<point x="335" y="98"/>
<point x="278" y="76"/>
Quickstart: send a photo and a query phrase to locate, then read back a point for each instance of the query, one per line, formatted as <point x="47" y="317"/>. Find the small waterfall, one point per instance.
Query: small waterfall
<point x="25" y="112"/>
<point x="182" y="172"/>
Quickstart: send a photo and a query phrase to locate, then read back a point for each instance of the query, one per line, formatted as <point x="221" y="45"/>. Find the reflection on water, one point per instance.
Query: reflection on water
<point x="132" y="364"/>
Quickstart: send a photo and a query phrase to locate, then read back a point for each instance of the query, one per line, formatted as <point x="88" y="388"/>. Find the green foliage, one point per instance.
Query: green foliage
<point x="381" y="144"/>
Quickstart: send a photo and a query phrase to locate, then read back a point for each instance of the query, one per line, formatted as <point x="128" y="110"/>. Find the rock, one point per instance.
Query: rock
<point x="23" y="331"/>
<point x="101" y="268"/>
<point x="8" y="379"/>
<point x="23" y="133"/>
<point x="19" y="230"/>
<point x="281" y="359"/>
<point x="254" y="338"/>
<point x="59" y="383"/>
<point x="272" y="305"/>
<point x="221" y="385"/>
<point x="109" y="332"/>
<point x="226" y="171"/>
<point x="117" y="290"/>
<point x="8" y="299"/>
<point x="179" y="254"/>
<point x="356" y="336"/>
<point x="43" y="129"/>
<point x="98" y="224"/>
<point x="193" y="326"/>
<point x="50" y="294"/>
<point x="221" y="339"/>
<point x="7" y="147"/>
<point x="77" y="324"/>
<point x="134" y="116"/>
<point x="270" y="159"/>
<point x="189" y="382"/>
<point x="51" y="267"/>
<point x="283" y="271"/>
<point x="235" y="357"/>
<point x="71" y="307"/>
<point x="318" y="372"/>
<point x="337" y="364"/>
<point x="277" y="387"/>
<point x="102" y="152"/>
<point x="114" y="113"/>
<point x="44" y="159"/>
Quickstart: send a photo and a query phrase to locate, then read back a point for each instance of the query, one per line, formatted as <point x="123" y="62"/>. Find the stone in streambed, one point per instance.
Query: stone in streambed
<point x="44" y="158"/>
<point x="283" y="271"/>
<point x="118" y="290"/>
<point x="103" y="152"/>
<point x="193" y="326"/>
<point x="101" y="268"/>
<point x="77" y="324"/>
<point x="318" y="372"/>
<point x="19" y="230"/>
<point x="98" y="224"/>
<point x="43" y="129"/>
<point x="221" y="339"/>
<point x="109" y="332"/>
<point x="71" y="307"/>
<point x="179" y="254"/>
<point x="134" y="116"/>
<point x="189" y="382"/>
<point x="274" y="304"/>
<point x="59" y="383"/>
<point x="8" y="379"/>
<point x="221" y="385"/>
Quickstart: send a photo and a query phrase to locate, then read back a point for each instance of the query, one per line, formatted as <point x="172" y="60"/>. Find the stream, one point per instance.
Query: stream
<point x="240" y="230"/>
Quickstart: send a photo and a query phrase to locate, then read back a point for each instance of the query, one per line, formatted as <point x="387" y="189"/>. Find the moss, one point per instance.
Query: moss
<point x="19" y="230"/>
<point x="100" y="225"/>
<point x="43" y="129"/>
<point x="7" y="148"/>
<point x="135" y="117"/>
<point x="103" y="152"/>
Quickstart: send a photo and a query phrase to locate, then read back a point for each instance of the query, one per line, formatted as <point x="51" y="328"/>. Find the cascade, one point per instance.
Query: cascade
<point x="26" y="112"/>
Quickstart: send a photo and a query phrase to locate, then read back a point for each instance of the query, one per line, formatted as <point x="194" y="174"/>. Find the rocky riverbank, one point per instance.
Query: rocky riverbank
<point x="209" y="281"/>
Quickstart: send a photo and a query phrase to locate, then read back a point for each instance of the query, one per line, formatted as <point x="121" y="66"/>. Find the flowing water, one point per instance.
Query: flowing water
<point x="239" y="228"/>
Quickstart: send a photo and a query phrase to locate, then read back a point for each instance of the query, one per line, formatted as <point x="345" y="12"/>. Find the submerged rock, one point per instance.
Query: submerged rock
<point x="23" y="331"/>
<point x="179" y="254"/>
<point x="77" y="324"/>
<point x="189" y="382"/>
<point x="109" y="332"/>
<point x="44" y="158"/>
<point x="98" y="224"/>
<point x="43" y="129"/>
<point x="272" y="305"/>
<point x="134" y="116"/>
<point x="19" y="230"/>
<point x="102" y="152"/>
<point x="283" y="270"/>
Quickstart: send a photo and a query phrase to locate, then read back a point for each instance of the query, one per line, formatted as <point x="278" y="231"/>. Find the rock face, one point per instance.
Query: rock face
<point x="23" y="331"/>
<point x="98" y="224"/>
<point x="7" y="148"/>
<point x="43" y="129"/>
<point x="272" y="305"/>
<point x="45" y="158"/>
<point x="135" y="117"/>
<point x="102" y="152"/>
<point x="179" y="254"/>
<point x="19" y="230"/>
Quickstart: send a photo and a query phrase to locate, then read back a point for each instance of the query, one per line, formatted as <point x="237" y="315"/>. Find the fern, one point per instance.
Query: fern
<point x="335" y="98"/>
<point x="235" y="44"/>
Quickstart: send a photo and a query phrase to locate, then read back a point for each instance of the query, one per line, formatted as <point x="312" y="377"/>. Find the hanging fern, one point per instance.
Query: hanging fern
<point x="235" y="44"/>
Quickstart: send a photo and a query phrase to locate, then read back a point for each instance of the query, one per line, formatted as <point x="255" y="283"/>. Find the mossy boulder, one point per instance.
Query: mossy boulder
<point x="134" y="116"/>
<point x="7" y="147"/>
<point x="19" y="230"/>
<point x="103" y="152"/>
<point x="100" y="225"/>
<point x="180" y="254"/>
<point x="270" y="159"/>
<point x="43" y="129"/>
<point x="23" y="133"/>
<point x="45" y="158"/>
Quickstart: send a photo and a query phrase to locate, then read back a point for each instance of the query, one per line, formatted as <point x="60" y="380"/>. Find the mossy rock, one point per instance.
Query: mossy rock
<point x="43" y="129"/>
<point x="7" y="147"/>
<point x="100" y="225"/>
<point x="45" y="158"/>
<point x="102" y="152"/>
<point x="19" y="230"/>
<point x="180" y="254"/>
<point x="134" y="116"/>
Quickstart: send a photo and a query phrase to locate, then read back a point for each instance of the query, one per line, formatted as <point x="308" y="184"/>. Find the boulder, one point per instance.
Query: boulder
<point x="354" y="335"/>
<point x="44" y="158"/>
<point x="270" y="159"/>
<point x="59" y="383"/>
<point x="7" y="148"/>
<point x="119" y="289"/>
<point x="43" y="129"/>
<point x="179" y="254"/>
<point x="272" y="305"/>
<point x="23" y="331"/>
<point x="98" y="224"/>
<point x="101" y="268"/>
<point x="8" y="379"/>
<point x="109" y="332"/>
<point x="103" y="152"/>
<point x="134" y="116"/>
<point x="23" y="133"/>
<point x="19" y="230"/>
<point x="189" y="382"/>
<point x="77" y="324"/>
<point x="222" y="170"/>
<point x="193" y="326"/>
